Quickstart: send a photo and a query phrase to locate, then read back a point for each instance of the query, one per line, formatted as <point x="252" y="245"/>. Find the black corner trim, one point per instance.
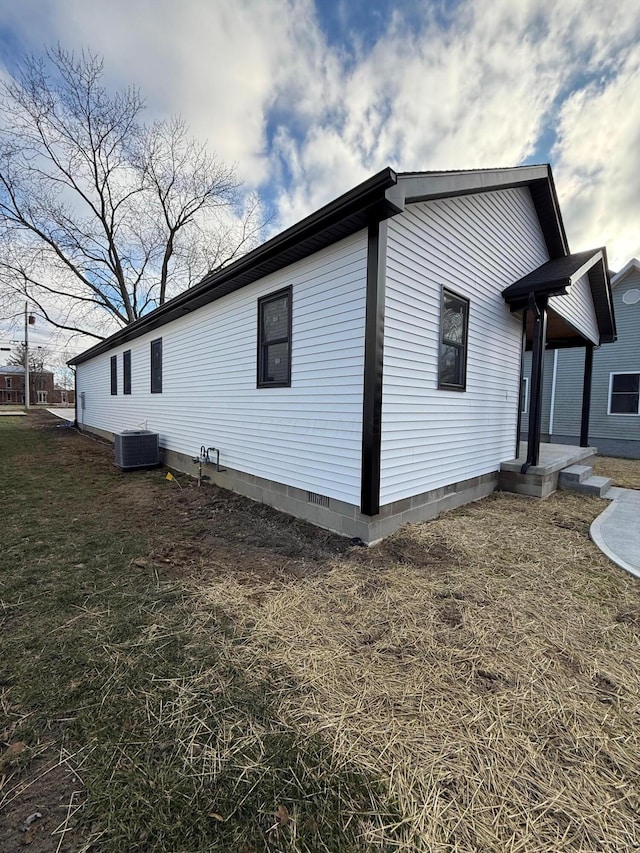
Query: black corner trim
<point x="373" y="364"/>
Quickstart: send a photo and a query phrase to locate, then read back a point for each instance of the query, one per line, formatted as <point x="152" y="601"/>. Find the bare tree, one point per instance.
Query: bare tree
<point x="102" y="217"/>
<point x="39" y="357"/>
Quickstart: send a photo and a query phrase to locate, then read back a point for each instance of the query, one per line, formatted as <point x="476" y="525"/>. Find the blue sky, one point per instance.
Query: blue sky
<point x="310" y="98"/>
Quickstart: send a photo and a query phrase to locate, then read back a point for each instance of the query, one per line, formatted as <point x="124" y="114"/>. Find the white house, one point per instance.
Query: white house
<point x="361" y="369"/>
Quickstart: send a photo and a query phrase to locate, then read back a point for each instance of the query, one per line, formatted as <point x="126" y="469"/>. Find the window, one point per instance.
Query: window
<point x="274" y="340"/>
<point x="454" y="323"/>
<point x="624" y="394"/>
<point x="42" y="396"/>
<point x="8" y="381"/>
<point x="114" y="375"/>
<point x="524" y="395"/>
<point x="156" y="366"/>
<point x="126" y="372"/>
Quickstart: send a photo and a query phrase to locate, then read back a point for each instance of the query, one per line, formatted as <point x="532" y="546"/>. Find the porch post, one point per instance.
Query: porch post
<point x="522" y="352"/>
<point x="539" y="310"/>
<point x="586" y="395"/>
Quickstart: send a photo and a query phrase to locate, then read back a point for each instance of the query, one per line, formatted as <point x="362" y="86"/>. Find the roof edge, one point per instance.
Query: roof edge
<point x="368" y="196"/>
<point x="414" y="187"/>
<point x="633" y="264"/>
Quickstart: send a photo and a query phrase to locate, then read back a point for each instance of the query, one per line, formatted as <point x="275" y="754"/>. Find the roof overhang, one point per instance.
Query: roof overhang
<point x="554" y="278"/>
<point x="631" y="266"/>
<point x="380" y="197"/>
<point x="342" y="217"/>
<point x="427" y="186"/>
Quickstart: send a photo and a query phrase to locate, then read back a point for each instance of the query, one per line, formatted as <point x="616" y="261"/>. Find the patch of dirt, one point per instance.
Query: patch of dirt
<point x="36" y="803"/>
<point x="404" y="547"/>
<point x="202" y="532"/>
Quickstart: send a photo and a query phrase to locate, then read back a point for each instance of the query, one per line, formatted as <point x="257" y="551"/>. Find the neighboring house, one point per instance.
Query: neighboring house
<point x="63" y="396"/>
<point x="614" y="423"/>
<point x="41" y="387"/>
<point x="361" y="369"/>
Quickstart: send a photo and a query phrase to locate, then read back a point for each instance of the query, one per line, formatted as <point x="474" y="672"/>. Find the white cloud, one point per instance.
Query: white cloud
<point x="597" y="154"/>
<point x="478" y="91"/>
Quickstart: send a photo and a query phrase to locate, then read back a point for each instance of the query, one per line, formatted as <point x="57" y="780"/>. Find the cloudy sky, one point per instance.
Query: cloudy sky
<point x="310" y="98"/>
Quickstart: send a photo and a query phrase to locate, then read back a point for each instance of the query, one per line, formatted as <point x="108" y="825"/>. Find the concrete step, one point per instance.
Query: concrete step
<point x="574" y="474"/>
<point x="591" y="486"/>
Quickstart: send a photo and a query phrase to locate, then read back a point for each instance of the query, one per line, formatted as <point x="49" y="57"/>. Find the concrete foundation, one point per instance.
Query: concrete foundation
<point x="338" y="516"/>
<point x="621" y="447"/>
<point x="541" y="480"/>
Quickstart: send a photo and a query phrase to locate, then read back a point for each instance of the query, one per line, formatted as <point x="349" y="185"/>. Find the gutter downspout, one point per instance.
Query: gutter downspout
<point x="522" y="352"/>
<point x="75" y="397"/>
<point x="537" y="369"/>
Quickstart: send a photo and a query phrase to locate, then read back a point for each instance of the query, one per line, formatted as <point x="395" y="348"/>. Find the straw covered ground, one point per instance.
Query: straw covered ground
<point x="224" y="678"/>
<point x="486" y="666"/>
<point x="623" y="472"/>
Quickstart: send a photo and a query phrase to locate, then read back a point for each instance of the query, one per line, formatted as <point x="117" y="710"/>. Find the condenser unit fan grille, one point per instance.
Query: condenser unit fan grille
<point x="137" y="449"/>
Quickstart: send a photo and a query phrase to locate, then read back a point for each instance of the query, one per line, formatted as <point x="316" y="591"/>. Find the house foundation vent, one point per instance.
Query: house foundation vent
<point x="320" y="500"/>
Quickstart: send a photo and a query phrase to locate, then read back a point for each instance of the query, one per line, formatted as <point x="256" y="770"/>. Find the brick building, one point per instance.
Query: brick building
<point x="42" y="390"/>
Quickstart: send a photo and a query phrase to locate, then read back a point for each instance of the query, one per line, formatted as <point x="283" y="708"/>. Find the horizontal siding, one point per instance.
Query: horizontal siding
<point x="308" y="435"/>
<point x="547" y="378"/>
<point x="620" y="357"/>
<point x="568" y="404"/>
<point x="476" y="246"/>
<point x="577" y="308"/>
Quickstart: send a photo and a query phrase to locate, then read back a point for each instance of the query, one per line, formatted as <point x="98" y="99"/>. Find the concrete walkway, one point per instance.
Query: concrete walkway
<point x="616" y="531"/>
<point x="65" y="414"/>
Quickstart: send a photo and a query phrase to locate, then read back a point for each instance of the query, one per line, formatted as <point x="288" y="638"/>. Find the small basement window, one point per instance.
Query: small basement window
<point x="624" y="394"/>
<point x="274" y="340"/>
<point x="156" y="366"/>
<point x="114" y="375"/>
<point x="454" y="324"/>
<point x="126" y="372"/>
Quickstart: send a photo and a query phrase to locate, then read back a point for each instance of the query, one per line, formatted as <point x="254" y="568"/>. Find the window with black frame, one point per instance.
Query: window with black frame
<point x="126" y="372"/>
<point x="454" y="324"/>
<point x="156" y="366"/>
<point x="114" y="375"/>
<point x="274" y="340"/>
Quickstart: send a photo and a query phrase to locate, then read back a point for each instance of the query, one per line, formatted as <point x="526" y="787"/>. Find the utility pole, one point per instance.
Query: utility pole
<point x="26" y="355"/>
<point x="29" y="320"/>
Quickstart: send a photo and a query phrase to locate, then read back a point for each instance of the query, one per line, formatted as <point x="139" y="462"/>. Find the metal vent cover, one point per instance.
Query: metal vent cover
<point x="320" y="500"/>
<point x="137" y="448"/>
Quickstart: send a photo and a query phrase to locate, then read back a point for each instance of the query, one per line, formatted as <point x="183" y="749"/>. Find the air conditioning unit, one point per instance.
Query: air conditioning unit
<point x="137" y="448"/>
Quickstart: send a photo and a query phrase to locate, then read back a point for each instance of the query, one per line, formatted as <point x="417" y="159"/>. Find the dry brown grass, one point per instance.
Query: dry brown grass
<point x="623" y="472"/>
<point x="216" y="676"/>
<point x="485" y="665"/>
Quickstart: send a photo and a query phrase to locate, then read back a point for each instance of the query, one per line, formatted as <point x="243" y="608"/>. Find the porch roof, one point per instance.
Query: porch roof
<point x="555" y="278"/>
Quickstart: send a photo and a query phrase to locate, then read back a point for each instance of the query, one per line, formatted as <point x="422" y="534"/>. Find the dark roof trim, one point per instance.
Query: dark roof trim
<point x="376" y="199"/>
<point x="556" y="276"/>
<point x="427" y="186"/>
<point x="347" y="214"/>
